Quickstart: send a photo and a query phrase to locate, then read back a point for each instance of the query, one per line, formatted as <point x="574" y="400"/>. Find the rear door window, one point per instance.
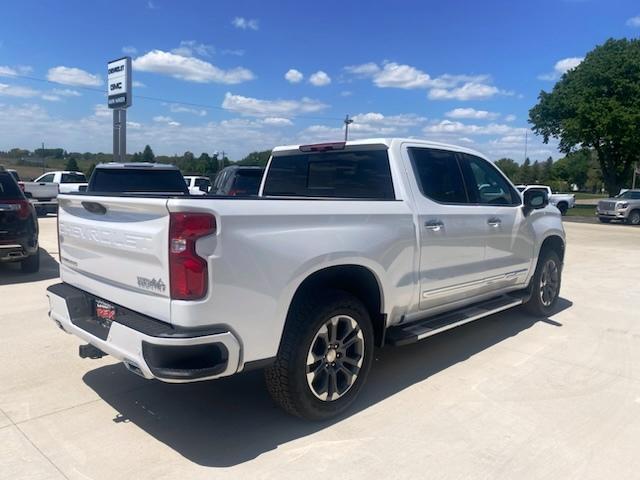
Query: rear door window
<point x="344" y="174"/>
<point x="438" y="175"/>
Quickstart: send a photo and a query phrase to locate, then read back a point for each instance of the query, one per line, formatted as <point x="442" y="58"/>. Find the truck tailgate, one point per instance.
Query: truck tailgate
<point x="117" y="248"/>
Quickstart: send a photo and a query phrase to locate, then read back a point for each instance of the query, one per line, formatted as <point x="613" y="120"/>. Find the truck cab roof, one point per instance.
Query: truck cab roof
<point x="137" y="165"/>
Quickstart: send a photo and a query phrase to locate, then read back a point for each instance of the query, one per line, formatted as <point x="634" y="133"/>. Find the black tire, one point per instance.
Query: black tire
<point x="287" y="379"/>
<point x="41" y="211"/>
<point x="539" y="304"/>
<point x="604" y="220"/>
<point x="31" y="264"/>
<point x="563" y="207"/>
<point x="634" y="217"/>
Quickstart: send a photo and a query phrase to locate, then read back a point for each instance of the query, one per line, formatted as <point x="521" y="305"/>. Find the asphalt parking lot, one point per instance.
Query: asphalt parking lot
<point x="506" y="397"/>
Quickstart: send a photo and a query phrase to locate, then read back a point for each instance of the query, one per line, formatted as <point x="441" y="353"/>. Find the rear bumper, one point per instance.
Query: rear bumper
<point x="18" y="250"/>
<point x="148" y="347"/>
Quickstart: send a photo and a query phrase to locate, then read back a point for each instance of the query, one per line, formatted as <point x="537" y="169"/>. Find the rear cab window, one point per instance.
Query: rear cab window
<point x="353" y="174"/>
<point x="73" y="178"/>
<point x="131" y="180"/>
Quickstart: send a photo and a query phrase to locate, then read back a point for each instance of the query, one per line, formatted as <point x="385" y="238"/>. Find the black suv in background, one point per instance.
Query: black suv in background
<point x="18" y="225"/>
<point x="237" y="180"/>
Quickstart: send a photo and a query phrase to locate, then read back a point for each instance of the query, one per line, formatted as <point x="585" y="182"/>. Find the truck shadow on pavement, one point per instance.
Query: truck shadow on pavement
<point x="233" y="420"/>
<point x="10" y="273"/>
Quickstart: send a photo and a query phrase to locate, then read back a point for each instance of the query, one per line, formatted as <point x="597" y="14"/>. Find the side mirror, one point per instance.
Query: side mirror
<point x="534" y="200"/>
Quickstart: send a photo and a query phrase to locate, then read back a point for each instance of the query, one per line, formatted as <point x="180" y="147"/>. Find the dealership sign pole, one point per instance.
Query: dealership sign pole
<point x="119" y="99"/>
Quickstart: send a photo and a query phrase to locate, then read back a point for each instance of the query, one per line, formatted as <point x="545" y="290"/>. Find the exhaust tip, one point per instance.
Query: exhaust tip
<point x="90" y="351"/>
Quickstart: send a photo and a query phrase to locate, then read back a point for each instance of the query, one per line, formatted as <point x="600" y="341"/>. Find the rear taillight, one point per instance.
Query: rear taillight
<point x="20" y="207"/>
<point x="187" y="271"/>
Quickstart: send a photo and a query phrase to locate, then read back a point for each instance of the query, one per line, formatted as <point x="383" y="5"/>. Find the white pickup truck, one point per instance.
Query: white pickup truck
<point x="43" y="191"/>
<point x="562" y="201"/>
<point x="347" y="247"/>
<point x="197" y="185"/>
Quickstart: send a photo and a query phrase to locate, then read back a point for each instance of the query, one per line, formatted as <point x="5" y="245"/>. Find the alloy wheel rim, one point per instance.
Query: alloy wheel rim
<point x="635" y="218"/>
<point x="335" y="358"/>
<point x="549" y="283"/>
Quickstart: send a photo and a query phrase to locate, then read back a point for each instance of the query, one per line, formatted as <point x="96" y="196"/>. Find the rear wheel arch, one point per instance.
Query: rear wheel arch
<point x="359" y="281"/>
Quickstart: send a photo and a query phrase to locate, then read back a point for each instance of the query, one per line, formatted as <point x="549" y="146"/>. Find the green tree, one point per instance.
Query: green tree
<point x="525" y="176"/>
<point x="256" y="158"/>
<point x="89" y="170"/>
<point x="509" y="167"/>
<point x="536" y="172"/>
<point x="546" y="173"/>
<point x="72" y="165"/>
<point x="597" y="105"/>
<point x="147" y="154"/>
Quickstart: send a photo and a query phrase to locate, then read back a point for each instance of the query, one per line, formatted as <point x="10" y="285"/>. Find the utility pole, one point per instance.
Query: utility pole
<point x="636" y="169"/>
<point x="347" y="121"/>
<point x="42" y="152"/>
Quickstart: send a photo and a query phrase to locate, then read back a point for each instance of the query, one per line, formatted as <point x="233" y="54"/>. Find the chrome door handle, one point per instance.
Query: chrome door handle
<point x="494" y="222"/>
<point x="433" y="225"/>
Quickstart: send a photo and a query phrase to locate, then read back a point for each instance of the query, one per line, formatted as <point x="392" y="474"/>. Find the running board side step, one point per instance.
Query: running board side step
<point x="415" y="331"/>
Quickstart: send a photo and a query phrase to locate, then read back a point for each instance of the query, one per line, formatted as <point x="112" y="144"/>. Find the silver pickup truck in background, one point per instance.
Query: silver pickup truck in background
<point x="348" y="246"/>
<point x="624" y="207"/>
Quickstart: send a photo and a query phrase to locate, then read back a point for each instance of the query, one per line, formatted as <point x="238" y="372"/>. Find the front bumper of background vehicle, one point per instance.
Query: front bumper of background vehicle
<point x="619" y="214"/>
<point x="148" y="347"/>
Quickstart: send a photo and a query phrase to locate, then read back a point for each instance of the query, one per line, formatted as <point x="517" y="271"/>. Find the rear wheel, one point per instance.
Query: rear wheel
<point x="634" y="218"/>
<point x="545" y="284"/>
<point x="324" y="358"/>
<point x="31" y="264"/>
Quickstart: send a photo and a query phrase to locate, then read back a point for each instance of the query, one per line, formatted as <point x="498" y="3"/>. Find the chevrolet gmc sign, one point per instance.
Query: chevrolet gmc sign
<point x="119" y="83"/>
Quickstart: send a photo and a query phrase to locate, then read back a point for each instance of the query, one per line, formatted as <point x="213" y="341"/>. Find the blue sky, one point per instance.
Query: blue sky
<point x="247" y="75"/>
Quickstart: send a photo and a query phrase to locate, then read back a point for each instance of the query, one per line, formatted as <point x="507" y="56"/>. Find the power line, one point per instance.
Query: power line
<point x="162" y="100"/>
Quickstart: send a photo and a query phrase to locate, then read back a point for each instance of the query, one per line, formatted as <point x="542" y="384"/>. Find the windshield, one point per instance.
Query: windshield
<point x="630" y="195"/>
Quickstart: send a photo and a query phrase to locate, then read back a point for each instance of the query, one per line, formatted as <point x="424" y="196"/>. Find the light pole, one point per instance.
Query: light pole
<point x="347" y="121"/>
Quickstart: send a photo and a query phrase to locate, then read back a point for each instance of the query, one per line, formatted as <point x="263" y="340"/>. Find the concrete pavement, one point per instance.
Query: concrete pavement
<point x="505" y="397"/>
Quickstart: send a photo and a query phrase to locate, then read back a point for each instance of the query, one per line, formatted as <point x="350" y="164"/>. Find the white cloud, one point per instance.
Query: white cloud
<point x="471" y="113"/>
<point x="17" y="91"/>
<point x="6" y="71"/>
<point x="101" y="111"/>
<point x="293" y="76"/>
<point x="245" y="23"/>
<point x="561" y="67"/>
<point x="468" y="91"/>
<point x="73" y="76"/>
<point x="634" y="21"/>
<point x="319" y="79"/>
<point x="164" y="119"/>
<point x="346" y="93"/>
<point x="446" y="86"/>
<point x="50" y="98"/>
<point x="277" y="121"/>
<point x="129" y="50"/>
<point x="281" y="108"/>
<point x="138" y="84"/>
<point x="401" y="76"/>
<point x="66" y="92"/>
<point x="134" y="125"/>
<point x="176" y="108"/>
<point x="459" y="128"/>
<point x="189" y="68"/>
<point x="401" y="120"/>
<point x="510" y="118"/>
<point x="363" y="70"/>
<point x="190" y="48"/>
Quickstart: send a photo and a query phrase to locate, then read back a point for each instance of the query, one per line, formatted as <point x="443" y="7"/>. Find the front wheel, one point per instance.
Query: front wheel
<point x="324" y="358"/>
<point x="545" y="284"/>
<point x="634" y="218"/>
